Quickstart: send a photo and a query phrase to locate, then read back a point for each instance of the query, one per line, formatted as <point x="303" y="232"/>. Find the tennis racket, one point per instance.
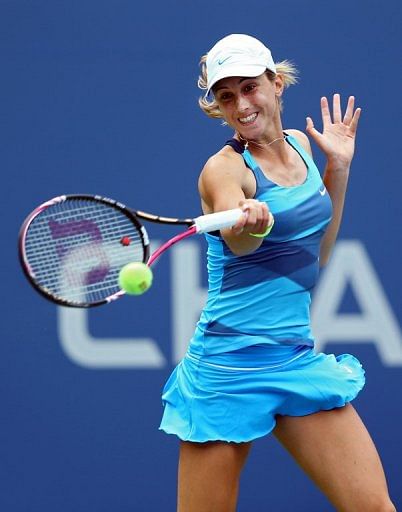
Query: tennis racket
<point x="73" y="247"/>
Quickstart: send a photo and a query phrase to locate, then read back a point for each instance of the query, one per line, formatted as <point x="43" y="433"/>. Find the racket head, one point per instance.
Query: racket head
<point x="73" y="247"/>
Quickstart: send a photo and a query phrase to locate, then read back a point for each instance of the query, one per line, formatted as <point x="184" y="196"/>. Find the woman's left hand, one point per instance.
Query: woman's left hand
<point x="337" y="139"/>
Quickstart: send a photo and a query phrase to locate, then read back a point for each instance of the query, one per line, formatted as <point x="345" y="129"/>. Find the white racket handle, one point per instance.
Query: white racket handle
<point x="217" y="221"/>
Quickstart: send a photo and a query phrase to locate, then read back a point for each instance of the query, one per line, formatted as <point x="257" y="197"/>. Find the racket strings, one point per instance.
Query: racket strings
<point x="75" y="249"/>
<point x="69" y="280"/>
<point x="42" y="233"/>
<point x="86" y="261"/>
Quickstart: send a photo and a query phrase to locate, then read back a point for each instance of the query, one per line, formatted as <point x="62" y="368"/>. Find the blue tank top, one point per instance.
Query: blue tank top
<point x="264" y="297"/>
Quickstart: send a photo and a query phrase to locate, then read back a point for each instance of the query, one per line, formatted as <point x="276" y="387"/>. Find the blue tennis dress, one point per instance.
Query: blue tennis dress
<point x="252" y="354"/>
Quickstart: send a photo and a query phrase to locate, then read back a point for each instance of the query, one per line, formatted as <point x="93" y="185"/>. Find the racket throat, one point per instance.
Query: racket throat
<point x="190" y="231"/>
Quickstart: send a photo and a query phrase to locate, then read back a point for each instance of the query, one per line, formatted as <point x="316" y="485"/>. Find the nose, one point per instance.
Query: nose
<point x="242" y="103"/>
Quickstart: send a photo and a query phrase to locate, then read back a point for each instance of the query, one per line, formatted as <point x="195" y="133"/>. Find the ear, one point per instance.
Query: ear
<point x="279" y="85"/>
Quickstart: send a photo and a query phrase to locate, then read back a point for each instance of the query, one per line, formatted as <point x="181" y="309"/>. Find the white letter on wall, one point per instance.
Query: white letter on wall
<point x="350" y="264"/>
<point x="86" y="350"/>
<point x="188" y="296"/>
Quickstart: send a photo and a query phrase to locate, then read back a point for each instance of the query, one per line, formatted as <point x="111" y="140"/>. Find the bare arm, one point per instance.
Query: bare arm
<point x="223" y="185"/>
<point x="337" y="141"/>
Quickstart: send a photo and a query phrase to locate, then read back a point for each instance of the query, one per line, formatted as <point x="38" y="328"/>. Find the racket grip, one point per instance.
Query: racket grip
<point x="217" y="221"/>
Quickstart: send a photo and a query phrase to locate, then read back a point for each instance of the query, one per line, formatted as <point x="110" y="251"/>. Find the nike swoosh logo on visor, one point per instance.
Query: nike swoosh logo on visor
<point x="221" y="61"/>
<point x="322" y="192"/>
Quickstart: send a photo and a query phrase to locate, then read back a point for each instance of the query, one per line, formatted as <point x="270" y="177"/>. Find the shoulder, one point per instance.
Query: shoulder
<point x="225" y="175"/>
<point x="301" y="138"/>
<point x="225" y="164"/>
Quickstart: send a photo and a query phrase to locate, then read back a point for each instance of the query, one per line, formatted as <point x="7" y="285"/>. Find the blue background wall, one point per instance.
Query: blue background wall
<point x="101" y="97"/>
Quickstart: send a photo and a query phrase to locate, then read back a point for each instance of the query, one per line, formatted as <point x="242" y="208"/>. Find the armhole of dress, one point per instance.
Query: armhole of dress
<point x="261" y="181"/>
<point x="248" y="161"/>
<point x="305" y="156"/>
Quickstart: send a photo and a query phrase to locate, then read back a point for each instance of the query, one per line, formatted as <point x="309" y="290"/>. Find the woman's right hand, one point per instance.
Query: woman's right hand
<point x="256" y="219"/>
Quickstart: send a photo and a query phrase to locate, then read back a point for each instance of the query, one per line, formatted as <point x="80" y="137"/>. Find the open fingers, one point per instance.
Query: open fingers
<point x="336" y="107"/>
<point x="355" y="120"/>
<point x="350" y="118"/>
<point x="326" y="116"/>
<point x="349" y="110"/>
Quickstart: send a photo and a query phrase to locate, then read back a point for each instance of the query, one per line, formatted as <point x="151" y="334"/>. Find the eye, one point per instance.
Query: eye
<point x="250" y="87"/>
<point x="225" y="96"/>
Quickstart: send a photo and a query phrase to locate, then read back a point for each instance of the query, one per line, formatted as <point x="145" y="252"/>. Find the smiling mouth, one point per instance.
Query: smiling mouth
<point x="249" y="119"/>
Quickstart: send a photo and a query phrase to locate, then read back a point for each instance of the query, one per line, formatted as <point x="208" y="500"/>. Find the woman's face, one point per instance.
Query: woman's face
<point x="249" y="105"/>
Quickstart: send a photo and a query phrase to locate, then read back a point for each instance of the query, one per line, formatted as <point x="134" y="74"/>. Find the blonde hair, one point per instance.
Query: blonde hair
<point x="210" y="107"/>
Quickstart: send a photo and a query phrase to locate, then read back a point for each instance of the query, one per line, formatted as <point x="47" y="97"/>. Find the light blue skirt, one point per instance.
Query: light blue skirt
<point x="236" y="396"/>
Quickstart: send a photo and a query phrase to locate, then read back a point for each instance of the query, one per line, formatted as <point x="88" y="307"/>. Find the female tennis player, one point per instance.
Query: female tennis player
<point x="251" y="368"/>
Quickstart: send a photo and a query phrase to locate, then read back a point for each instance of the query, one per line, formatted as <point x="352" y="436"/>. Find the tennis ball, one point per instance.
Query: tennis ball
<point x="135" y="278"/>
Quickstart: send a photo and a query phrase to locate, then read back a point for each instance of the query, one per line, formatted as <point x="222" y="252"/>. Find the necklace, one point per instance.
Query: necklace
<point x="257" y="144"/>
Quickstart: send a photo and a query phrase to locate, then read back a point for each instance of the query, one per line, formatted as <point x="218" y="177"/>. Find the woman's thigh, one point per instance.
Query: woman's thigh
<point x="209" y="476"/>
<point x="336" y="451"/>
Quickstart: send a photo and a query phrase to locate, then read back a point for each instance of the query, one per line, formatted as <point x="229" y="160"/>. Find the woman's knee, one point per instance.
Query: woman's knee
<point x="372" y="503"/>
<point x="383" y="505"/>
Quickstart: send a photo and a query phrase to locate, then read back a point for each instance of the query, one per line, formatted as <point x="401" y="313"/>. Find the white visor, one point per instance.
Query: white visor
<point x="237" y="55"/>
